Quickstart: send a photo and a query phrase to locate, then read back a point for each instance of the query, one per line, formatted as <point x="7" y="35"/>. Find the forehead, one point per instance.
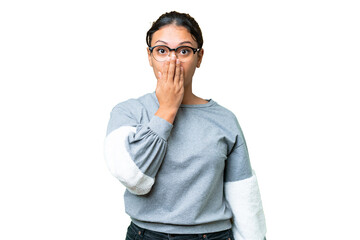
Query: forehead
<point x="173" y="35"/>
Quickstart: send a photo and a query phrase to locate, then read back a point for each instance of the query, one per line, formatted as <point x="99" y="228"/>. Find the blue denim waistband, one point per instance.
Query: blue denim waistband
<point x="153" y="235"/>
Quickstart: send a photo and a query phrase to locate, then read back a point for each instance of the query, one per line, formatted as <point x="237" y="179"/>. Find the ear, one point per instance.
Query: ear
<point x="200" y="56"/>
<point x="149" y="56"/>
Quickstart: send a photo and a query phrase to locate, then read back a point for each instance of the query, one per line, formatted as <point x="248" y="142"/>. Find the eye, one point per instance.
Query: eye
<point x="184" y="50"/>
<point x="161" y="50"/>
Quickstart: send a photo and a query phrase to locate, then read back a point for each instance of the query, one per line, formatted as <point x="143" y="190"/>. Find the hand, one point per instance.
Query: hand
<point x="170" y="88"/>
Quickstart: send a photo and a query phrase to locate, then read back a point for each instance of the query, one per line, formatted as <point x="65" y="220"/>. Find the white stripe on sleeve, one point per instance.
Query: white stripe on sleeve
<point x="243" y="197"/>
<point x="121" y="165"/>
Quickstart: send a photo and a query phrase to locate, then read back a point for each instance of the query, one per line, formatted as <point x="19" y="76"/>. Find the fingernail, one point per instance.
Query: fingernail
<point x="177" y="61"/>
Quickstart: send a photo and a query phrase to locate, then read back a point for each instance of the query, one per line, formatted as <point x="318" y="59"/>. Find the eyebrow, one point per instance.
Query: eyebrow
<point x="179" y="43"/>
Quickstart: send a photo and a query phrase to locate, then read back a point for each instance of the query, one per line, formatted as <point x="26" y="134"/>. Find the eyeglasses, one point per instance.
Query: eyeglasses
<point x="183" y="53"/>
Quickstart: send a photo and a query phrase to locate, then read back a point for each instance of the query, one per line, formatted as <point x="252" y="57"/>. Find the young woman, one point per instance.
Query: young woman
<point x="183" y="159"/>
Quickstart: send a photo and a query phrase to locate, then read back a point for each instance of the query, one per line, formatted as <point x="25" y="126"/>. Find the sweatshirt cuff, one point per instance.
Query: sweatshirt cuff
<point x="160" y="126"/>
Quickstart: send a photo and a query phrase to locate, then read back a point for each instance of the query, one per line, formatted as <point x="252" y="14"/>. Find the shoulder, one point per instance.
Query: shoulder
<point x="130" y="112"/>
<point x="231" y="126"/>
<point x="134" y="105"/>
<point x="227" y="116"/>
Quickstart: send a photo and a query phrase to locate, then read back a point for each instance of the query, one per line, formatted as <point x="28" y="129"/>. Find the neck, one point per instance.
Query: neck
<point x="189" y="97"/>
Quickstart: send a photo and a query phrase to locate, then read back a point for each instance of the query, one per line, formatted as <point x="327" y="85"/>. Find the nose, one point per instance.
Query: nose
<point x="172" y="53"/>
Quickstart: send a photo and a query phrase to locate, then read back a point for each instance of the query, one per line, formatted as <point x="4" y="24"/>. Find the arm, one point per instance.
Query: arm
<point x="243" y="196"/>
<point x="133" y="151"/>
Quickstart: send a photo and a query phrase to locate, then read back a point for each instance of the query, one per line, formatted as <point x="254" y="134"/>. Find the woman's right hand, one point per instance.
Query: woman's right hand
<point x="170" y="89"/>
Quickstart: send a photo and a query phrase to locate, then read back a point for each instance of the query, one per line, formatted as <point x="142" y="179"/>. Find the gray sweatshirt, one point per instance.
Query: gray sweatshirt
<point x="191" y="176"/>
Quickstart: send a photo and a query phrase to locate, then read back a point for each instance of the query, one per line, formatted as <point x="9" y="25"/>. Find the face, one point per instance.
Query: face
<point x="174" y="36"/>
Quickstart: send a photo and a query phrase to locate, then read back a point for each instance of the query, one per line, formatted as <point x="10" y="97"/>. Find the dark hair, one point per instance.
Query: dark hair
<point x="179" y="19"/>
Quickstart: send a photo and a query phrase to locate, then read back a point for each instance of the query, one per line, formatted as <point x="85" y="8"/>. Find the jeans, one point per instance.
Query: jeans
<point x="135" y="232"/>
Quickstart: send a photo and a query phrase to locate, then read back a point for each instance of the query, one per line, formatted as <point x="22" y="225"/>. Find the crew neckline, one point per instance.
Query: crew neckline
<point x="208" y="104"/>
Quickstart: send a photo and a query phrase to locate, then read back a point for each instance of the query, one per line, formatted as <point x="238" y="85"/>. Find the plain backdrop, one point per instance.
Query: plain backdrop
<point x="289" y="70"/>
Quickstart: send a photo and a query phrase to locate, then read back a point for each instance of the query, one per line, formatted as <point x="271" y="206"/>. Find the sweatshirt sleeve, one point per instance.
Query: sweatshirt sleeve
<point x="242" y="195"/>
<point x="133" y="151"/>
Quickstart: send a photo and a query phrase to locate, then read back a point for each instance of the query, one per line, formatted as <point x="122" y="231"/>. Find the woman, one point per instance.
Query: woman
<point x="183" y="159"/>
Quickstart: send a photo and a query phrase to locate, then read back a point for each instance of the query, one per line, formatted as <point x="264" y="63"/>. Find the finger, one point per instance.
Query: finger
<point x="159" y="76"/>
<point x="165" y="69"/>
<point x="171" y="71"/>
<point x="177" y="72"/>
<point x="182" y="78"/>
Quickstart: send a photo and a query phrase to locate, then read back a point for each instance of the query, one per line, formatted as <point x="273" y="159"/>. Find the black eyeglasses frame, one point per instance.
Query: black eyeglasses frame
<point x="195" y="50"/>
